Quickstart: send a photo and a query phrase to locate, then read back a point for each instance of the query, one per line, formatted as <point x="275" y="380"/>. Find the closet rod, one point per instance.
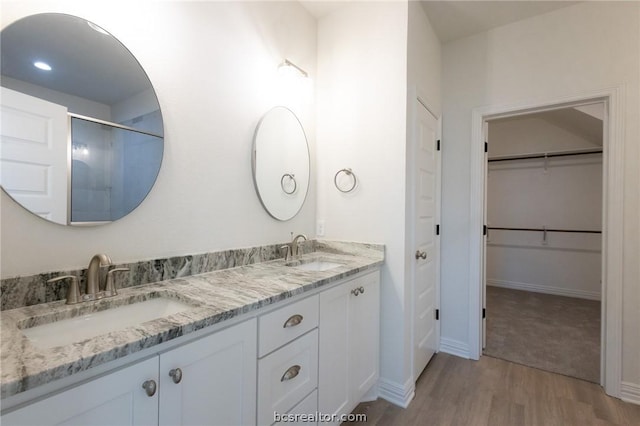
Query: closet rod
<point x="548" y="155"/>
<point x="547" y="230"/>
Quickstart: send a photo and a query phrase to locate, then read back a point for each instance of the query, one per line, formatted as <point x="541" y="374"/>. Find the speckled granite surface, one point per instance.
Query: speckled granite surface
<point x="17" y="292"/>
<point x="215" y="296"/>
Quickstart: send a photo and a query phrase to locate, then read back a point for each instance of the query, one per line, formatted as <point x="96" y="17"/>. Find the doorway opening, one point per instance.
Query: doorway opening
<point x="612" y="220"/>
<point x="543" y="257"/>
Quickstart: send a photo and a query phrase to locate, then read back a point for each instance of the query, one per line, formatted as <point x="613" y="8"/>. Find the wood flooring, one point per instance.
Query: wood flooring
<point x="456" y="391"/>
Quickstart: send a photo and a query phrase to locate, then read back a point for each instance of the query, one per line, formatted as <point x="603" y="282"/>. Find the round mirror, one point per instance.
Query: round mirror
<point x="281" y="163"/>
<point x="82" y="134"/>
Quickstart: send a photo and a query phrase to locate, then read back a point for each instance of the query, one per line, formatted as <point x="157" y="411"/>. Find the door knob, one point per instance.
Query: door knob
<point x="421" y="254"/>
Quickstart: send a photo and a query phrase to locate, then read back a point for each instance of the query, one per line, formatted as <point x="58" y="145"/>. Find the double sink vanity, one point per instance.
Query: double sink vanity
<point x="237" y="337"/>
<point x="235" y="346"/>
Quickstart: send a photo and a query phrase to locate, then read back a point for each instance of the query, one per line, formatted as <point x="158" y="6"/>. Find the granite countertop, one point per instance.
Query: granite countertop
<point x="215" y="297"/>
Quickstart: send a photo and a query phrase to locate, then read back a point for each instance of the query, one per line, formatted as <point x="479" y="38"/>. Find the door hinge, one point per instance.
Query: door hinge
<point x="484" y="313"/>
<point x="438" y="145"/>
<point x="484" y="229"/>
<point x="437" y="314"/>
<point x="486" y="147"/>
<point x="437" y="229"/>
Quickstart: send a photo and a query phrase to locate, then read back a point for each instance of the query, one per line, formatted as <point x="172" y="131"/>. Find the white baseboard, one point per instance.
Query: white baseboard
<point x="537" y="288"/>
<point x="400" y="395"/>
<point x="630" y="392"/>
<point x="372" y="394"/>
<point x="455" y="347"/>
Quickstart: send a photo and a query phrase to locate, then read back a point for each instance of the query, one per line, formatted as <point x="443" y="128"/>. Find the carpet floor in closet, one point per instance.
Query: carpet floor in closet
<point x="553" y="333"/>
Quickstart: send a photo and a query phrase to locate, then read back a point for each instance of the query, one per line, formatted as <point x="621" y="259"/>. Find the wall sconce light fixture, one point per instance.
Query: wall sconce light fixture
<point x="288" y="65"/>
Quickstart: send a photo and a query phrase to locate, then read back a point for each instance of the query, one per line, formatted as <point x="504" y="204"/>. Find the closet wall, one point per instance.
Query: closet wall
<point x="557" y="193"/>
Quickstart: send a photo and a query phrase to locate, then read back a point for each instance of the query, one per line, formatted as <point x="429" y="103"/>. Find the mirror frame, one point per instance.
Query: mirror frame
<point x="254" y="164"/>
<point x="74" y="115"/>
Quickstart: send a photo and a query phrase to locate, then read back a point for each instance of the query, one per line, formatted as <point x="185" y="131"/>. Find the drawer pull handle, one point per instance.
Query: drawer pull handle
<point x="293" y="321"/>
<point x="150" y="387"/>
<point x="291" y="373"/>
<point x="176" y="375"/>
<point x="355" y="291"/>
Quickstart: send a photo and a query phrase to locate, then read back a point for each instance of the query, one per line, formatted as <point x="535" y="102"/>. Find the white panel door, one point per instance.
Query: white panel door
<point x="115" y="399"/>
<point x="426" y="254"/>
<point x="34" y="154"/>
<point x="217" y="383"/>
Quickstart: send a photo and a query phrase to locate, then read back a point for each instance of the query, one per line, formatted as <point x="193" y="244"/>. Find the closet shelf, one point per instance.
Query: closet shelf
<point x="545" y="155"/>
<point x="580" y="231"/>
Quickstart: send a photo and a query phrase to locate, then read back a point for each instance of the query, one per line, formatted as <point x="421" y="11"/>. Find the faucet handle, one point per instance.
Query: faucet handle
<point x="287" y="250"/>
<point x="110" y="288"/>
<point x="73" y="291"/>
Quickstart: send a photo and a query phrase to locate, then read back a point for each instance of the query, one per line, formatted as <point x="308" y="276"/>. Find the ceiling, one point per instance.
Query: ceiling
<point x="85" y="63"/>
<point x="584" y="121"/>
<point x="453" y="20"/>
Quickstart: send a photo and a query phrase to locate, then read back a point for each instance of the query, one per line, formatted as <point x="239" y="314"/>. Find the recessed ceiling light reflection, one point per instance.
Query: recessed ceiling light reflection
<point x="42" y="66"/>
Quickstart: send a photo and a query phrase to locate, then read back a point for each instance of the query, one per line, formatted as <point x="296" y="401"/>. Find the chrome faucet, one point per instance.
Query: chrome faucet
<point x="294" y="244"/>
<point x="93" y="275"/>
<point x="93" y="281"/>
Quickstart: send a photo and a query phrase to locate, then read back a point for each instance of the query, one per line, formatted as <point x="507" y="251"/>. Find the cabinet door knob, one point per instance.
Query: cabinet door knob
<point x="355" y="291"/>
<point x="361" y="289"/>
<point x="176" y="375"/>
<point x="293" y="321"/>
<point x="421" y="254"/>
<point x="290" y="373"/>
<point x="150" y="387"/>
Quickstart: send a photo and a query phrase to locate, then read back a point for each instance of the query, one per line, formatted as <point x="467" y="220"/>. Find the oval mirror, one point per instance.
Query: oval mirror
<point x="281" y="163"/>
<point x="82" y="134"/>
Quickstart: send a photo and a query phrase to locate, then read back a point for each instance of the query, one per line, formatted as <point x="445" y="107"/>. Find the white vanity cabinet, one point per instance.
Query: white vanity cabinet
<point x="288" y="363"/>
<point x="114" y="399"/>
<point x="315" y="354"/>
<point x="217" y="387"/>
<point x="349" y="343"/>
<point x="211" y="381"/>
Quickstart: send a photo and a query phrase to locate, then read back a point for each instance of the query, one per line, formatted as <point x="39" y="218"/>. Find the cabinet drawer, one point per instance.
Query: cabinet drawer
<point x="303" y="414"/>
<point x="286" y="376"/>
<point x="285" y="324"/>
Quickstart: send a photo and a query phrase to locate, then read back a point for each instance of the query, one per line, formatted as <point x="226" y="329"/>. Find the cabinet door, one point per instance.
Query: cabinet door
<point x="115" y="399"/>
<point x="333" y="371"/>
<point x="364" y="328"/>
<point x="218" y="379"/>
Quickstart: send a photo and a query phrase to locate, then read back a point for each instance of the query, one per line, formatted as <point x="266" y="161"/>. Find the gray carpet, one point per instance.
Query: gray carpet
<point x="552" y="333"/>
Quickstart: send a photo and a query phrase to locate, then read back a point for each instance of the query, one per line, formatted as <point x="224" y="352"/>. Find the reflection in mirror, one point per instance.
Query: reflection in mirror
<point x="82" y="132"/>
<point x="281" y="163"/>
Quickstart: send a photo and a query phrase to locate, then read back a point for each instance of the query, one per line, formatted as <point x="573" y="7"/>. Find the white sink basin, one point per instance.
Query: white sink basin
<point x="317" y="265"/>
<point x="93" y="324"/>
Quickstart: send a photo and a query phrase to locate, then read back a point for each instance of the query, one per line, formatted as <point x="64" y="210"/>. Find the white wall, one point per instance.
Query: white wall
<point x="214" y="68"/>
<point x="577" y="49"/>
<point x="361" y="118"/>
<point x="565" y="195"/>
<point x="369" y="55"/>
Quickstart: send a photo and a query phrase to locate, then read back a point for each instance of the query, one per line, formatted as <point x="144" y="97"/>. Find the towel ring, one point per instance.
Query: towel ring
<point x="291" y="177"/>
<point x="348" y="172"/>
